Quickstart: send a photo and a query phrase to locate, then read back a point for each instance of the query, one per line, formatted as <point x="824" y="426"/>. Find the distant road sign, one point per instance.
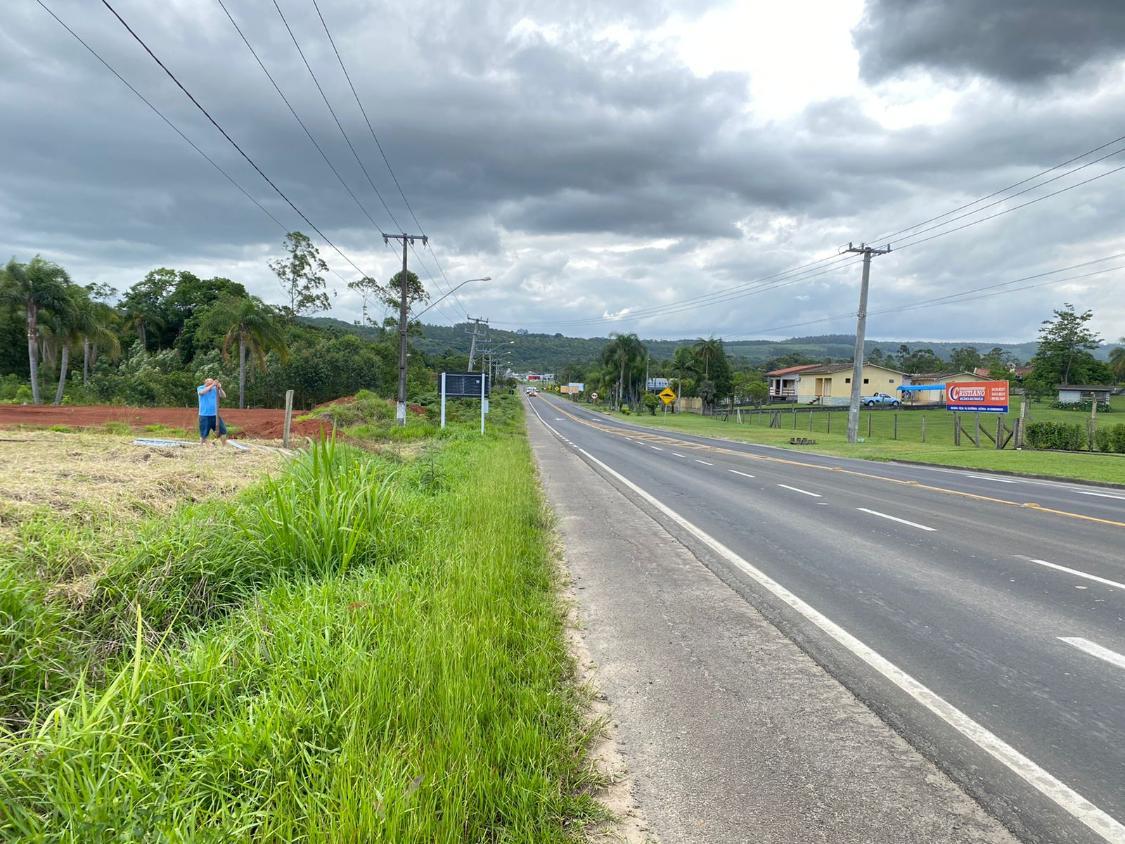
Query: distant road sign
<point x="667" y="396"/>
<point x="594" y="396"/>
<point x="977" y="396"/>
<point x="656" y="383"/>
<point x="466" y="384"/>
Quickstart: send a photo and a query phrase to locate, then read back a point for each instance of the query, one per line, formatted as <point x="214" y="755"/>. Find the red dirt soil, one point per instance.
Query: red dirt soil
<point x="255" y="424"/>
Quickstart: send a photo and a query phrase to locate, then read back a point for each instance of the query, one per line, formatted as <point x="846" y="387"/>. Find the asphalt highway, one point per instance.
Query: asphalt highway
<point x="982" y="616"/>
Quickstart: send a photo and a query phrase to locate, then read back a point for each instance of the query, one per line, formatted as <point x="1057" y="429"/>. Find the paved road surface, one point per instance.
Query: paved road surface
<point x="983" y="617"/>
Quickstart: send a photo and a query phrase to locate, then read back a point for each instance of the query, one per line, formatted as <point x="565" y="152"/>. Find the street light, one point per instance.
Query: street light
<point x="451" y="292"/>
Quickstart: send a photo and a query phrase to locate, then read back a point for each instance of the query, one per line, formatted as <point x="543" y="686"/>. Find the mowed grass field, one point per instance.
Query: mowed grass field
<point x="878" y="431"/>
<point x="359" y="647"/>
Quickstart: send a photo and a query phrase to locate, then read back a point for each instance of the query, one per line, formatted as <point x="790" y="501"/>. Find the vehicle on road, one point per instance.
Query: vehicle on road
<point x="880" y="399"/>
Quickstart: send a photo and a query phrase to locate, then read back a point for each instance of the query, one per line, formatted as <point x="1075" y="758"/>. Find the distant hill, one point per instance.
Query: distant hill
<point x="548" y="352"/>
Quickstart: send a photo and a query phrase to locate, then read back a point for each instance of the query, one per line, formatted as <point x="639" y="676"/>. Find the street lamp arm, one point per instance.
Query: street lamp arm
<point x="450" y="293"/>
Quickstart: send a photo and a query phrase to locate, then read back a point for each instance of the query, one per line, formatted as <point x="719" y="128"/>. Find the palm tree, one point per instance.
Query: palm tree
<point x="253" y="325"/>
<point x="65" y="323"/>
<point x="707" y="352"/>
<point x="625" y="353"/>
<point x="1117" y="361"/>
<point x="98" y="335"/>
<point x="36" y="286"/>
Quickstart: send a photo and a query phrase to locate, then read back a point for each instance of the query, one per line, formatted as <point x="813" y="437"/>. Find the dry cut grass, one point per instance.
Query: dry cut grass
<point x="102" y="481"/>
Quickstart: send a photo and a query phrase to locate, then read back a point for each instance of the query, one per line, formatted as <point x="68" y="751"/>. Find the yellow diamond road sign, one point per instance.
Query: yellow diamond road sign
<point x="667" y="396"/>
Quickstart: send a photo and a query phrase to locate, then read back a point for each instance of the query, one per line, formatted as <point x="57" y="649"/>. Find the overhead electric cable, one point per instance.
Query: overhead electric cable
<point x="171" y="125"/>
<point x="884" y="237"/>
<point x="231" y="140"/>
<point x="343" y="132"/>
<point x="382" y="152"/>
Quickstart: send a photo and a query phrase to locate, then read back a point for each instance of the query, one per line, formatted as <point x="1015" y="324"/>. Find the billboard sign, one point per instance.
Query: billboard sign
<point x="656" y="384"/>
<point x="577" y="387"/>
<point x="977" y="396"/>
<point x="466" y="384"/>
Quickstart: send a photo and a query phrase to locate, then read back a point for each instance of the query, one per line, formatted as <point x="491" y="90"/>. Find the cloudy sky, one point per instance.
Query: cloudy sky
<point x="669" y="167"/>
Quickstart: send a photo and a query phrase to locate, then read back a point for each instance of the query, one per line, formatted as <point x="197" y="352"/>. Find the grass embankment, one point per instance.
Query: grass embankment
<point x="880" y="443"/>
<point x="362" y="649"/>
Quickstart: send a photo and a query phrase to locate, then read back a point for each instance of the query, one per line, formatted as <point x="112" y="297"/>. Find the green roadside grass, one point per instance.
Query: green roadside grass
<point x="829" y="429"/>
<point x="361" y="649"/>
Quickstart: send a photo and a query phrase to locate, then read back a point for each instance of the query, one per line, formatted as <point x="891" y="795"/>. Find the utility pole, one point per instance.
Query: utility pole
<point x="403" y="319"/>
<point x="476" y="321"/>
<point x="860" y="332"/>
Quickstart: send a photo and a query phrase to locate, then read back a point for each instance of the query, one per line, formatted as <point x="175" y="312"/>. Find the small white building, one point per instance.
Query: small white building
<point x="1076" y="393"/>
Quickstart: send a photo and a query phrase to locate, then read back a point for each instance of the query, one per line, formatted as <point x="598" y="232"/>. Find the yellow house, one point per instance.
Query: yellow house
<point x="935" y="398"/>
<point x="832" y="383"/>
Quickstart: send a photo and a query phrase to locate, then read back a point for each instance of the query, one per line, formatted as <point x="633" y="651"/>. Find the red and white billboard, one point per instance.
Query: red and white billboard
<point x="978" y="396"/>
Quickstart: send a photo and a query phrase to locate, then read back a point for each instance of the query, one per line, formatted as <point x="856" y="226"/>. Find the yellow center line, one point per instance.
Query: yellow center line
<point x="917" y="484"/>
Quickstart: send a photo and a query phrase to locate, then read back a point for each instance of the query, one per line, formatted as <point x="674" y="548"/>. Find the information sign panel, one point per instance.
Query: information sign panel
<point x="466" y="384"/>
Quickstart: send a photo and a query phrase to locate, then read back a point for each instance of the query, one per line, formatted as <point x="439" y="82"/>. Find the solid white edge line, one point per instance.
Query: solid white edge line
<point x="656" y="448"/>
<point x="676" y="454"/>
<point x="1046" y="784"/>
<point x="736" y="472"/>
<point x="1094" y="649"/>
<point x="802" y="491"/>
<point x="1075" y="572"/>
<point x="704" y="462"/>
<point x="894" y="518"/>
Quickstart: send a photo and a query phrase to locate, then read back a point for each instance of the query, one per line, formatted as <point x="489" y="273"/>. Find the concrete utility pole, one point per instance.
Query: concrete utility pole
<point x="860" y="332"/>
<point x="403" y="318"/>
<point x="476" y="321"/>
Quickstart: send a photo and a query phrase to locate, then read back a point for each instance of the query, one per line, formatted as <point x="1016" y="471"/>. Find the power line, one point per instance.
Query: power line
<point x="962" y="296"/>
<point x="231" y="140"/>
<point x="171" y="125"/>
<point x="382" y="152"/>
<point x="344" y="134"/>
<point x="296" y="116"/>
<point x="884" y="237"/>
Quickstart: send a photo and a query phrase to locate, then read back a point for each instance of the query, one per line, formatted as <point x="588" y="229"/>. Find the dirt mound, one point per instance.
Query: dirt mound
<point x="257" y="424"/>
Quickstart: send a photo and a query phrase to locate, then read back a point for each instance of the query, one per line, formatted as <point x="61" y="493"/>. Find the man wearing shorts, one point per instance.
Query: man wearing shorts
<point x="209" y="420"/>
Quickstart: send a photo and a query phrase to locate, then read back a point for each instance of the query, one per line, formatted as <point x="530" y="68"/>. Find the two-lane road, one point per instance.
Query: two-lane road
<point x="982" y="616"/>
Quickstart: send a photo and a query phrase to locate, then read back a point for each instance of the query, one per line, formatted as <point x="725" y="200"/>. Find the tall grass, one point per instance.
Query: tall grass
<point x="424" y="700"/>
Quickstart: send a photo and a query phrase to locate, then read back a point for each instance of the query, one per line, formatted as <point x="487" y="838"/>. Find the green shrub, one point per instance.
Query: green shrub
<point x="1110" y="439"/>
<point x="117" y="428"/>
<point x="1083" y="406"/>
<point x="1056" y="435"/>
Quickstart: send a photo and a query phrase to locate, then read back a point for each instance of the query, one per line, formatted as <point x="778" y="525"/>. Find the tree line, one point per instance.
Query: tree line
<point x="705" y="370"/>
<point x="150" y="344"/>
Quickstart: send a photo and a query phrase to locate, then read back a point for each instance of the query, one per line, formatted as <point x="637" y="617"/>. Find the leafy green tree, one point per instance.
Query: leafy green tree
<point x="1117" y="361"/>
<point x="301" y="273"/>
<point x="650" y="402"/>
<point x="1063" y="356"/>
<point x="250" y="324"/>
<point x="965" y="359"/>
<point x="144" y="302"/>
<point x="37" y="285"/>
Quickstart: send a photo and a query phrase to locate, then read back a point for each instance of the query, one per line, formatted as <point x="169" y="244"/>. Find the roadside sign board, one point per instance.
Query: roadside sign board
<point x="466" y="384"/>
<point x="577" y="387"/>
<point x="594" y="396"/>
<point x="656" y="383"/>
<point x="667" y="396"/>
<point x="977" y="396"/>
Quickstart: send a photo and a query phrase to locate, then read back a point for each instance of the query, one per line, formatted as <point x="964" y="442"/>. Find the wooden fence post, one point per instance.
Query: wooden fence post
<point x="869" y="424"/>
<point x="895" y="436"/>
<point x="1093" y="426"/>
<point x="923" y="427"/>
<point x="828" y="418"/>
<point x="288" y="418"/>
<point x="976" y="419"/>
<point x="999" y="431"/>
<point x="956" y="428"/>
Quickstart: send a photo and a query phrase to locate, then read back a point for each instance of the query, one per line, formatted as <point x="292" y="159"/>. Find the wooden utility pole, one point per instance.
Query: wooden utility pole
<point x="403" y="319"/>
<point x="476" y="321"/>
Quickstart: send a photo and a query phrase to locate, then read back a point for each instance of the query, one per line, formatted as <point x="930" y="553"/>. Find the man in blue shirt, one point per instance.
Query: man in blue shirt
<point x="210" y="391"/>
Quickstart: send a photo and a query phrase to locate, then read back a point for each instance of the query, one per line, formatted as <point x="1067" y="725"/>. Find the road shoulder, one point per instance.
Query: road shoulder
<point x="731" y="733"/>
